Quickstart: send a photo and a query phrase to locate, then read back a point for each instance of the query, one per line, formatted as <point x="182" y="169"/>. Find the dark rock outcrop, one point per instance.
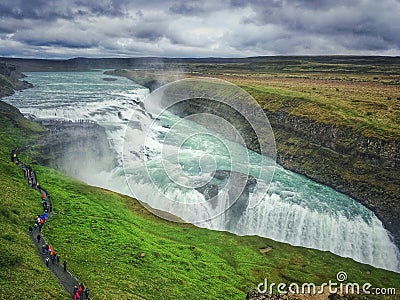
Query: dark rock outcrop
<point x="110" y="79"/>
<point x="10" y="80"/>
<point x="79" y="149"/>
<point x="254" y="295"/>
<point x="149" y="80"/>
<point x="240" y="187"/>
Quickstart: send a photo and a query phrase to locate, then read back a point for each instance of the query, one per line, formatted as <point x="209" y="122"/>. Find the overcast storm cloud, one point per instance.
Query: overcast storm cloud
<point x="236" y="28"/>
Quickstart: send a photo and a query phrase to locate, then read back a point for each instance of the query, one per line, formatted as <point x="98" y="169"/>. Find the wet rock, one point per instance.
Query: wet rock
<point x="240" y="186"/>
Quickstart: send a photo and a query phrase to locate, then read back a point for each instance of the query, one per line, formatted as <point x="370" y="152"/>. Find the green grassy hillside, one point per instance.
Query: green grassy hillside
<point x="103" y="234"/>
<point x="121" y="251"/>
<point x="22" y="273"/>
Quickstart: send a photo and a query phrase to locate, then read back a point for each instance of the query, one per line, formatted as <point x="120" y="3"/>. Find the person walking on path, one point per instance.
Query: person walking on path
<point x="47" y="261"/>
<point x="38" y="238"/>
<point x="65" y="266"/>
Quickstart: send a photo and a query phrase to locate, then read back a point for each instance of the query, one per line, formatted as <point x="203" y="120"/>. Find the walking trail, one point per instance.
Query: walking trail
<point x="66" y="279"/>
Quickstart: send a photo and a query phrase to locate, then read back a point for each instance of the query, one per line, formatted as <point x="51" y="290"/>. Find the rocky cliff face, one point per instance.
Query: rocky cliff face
<point x="10" y="80"/>
<point x="77" y="149"/>
<point x="149" y="80"/>
<point x="367" y="169"/>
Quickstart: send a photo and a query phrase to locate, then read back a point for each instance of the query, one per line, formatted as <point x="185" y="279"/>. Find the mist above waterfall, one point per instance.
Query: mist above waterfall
<point x="79" y="149"/>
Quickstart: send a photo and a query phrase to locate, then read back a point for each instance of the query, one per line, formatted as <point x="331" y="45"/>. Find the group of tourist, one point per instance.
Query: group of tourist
<point x="50" y="254"/>
<point x="39" y="222"/>
<point x="81" y="291"/>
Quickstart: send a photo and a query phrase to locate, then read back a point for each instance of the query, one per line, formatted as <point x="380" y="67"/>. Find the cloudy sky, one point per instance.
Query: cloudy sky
<point x="224" y="28"/>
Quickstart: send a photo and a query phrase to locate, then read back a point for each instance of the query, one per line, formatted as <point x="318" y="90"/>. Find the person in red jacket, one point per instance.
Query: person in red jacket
<point x="77" y="296"/>
<point x="80" y="291"/>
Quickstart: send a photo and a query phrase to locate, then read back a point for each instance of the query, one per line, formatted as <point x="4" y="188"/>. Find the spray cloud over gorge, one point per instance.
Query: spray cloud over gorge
<point x="183" y="159"/>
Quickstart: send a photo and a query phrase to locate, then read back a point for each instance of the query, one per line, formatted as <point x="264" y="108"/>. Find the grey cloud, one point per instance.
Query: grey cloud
<point x="148" y="33"/>
<point x="187" y="8"/>
<point x="103" y="7"/>
<point x="50" y="10"/>
<point x="73" y="44"/>
<point x="199" y="28"/>
<point x="34" y="9"/>
<point x="341" y="21"/>
<point x="5" y="28"/>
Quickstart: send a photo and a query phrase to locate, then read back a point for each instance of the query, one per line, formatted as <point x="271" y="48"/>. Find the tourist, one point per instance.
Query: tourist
<point x="38" y="238"/>
<point x="80" y="290"/>
<point x="77" y="296"/>
<point x="47" y="261"/>
<point x="65" y="266"/>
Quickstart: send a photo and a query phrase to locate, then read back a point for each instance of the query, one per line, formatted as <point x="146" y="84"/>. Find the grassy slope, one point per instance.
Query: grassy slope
<point x="100" y="233"/>
<point x="22" y="273"/>
<point x="372" y="115"/>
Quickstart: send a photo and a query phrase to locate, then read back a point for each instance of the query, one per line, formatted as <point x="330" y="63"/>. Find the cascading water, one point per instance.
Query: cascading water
<point x="294" y="210"/>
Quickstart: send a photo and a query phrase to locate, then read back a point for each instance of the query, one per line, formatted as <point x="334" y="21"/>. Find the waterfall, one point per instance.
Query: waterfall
<point x="294" y="209"/>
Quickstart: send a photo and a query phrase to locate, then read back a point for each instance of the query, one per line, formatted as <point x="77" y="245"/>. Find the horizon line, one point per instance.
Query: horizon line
<point x="199" y="58"/>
